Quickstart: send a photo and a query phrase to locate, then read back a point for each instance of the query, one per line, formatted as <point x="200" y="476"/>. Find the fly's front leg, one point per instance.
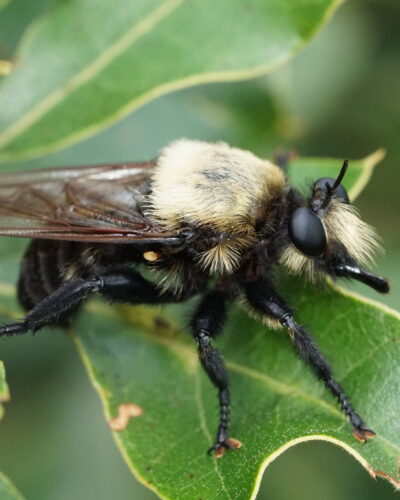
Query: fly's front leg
<point x="116" y="285"/>
<point x="207" y="323"/>
<point x="263" y="298"/>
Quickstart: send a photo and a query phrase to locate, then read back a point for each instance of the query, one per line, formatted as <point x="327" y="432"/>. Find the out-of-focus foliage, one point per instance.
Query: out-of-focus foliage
<point x="7" y="489"/>
<point x="352" y="111"/>
<point x="105" y="60"/>
<point x="4" y="392"/>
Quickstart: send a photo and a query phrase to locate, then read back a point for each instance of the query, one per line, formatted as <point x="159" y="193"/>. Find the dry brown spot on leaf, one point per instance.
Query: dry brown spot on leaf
<point x="126" y="411"/>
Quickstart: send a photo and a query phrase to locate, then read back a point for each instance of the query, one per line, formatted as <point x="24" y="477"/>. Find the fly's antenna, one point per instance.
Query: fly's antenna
<point x="342" y="173"/>
<point x="330" y="190"/>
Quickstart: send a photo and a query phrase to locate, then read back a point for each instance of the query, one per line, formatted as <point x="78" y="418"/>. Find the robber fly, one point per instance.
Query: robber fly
<point x="209" y="220"/>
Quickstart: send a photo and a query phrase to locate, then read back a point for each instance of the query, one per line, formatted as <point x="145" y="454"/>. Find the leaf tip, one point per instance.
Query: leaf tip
<point x="374" y="158"/>
<point x="368" y="163"/>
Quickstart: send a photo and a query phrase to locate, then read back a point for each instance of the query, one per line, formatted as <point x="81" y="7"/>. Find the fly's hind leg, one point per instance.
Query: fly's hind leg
<point x="116" y="285"/>
<point x="207" y="323"/>
<point x="54" y="307"/>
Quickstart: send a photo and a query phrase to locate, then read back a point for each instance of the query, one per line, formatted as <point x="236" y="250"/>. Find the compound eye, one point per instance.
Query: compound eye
<point x="307" y="232"/>
<point x="340" y="191"/>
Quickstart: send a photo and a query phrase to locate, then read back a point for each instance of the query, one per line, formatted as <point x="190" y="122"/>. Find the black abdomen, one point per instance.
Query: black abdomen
<point x="45" y="266"/>
<point x="48" y="263"/>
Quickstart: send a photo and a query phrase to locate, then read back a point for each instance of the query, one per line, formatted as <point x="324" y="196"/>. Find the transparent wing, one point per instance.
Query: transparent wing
<point x="100" y="203"/>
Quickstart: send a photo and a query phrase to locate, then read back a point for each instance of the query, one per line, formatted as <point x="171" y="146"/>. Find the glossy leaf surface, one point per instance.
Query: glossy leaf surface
<point x="86" y="64"/>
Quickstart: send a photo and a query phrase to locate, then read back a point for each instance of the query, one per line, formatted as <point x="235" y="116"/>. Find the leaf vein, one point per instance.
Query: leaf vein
<point x="364" y="359"/>
<point x="282" y="388"/>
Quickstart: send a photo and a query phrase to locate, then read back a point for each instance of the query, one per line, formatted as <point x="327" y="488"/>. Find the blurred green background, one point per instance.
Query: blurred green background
<point x="340" y="97"/>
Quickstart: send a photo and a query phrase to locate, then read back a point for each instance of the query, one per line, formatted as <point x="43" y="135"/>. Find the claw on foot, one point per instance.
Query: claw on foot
<point x="228" y="444"/>
<point x="362" y="434"/>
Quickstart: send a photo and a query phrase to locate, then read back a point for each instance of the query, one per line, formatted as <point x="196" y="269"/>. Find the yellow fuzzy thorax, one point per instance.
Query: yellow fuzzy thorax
<point x="214" y="185"/>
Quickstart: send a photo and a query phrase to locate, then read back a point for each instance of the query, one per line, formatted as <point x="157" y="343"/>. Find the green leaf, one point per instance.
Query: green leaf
<point x="4" y="392"/>
<point x="276" y="403"/>
<point x="88" y="63"/>
<point x="7" y="489"/>
<point x="145" y="357"/>
<point x="4" y="3"/>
